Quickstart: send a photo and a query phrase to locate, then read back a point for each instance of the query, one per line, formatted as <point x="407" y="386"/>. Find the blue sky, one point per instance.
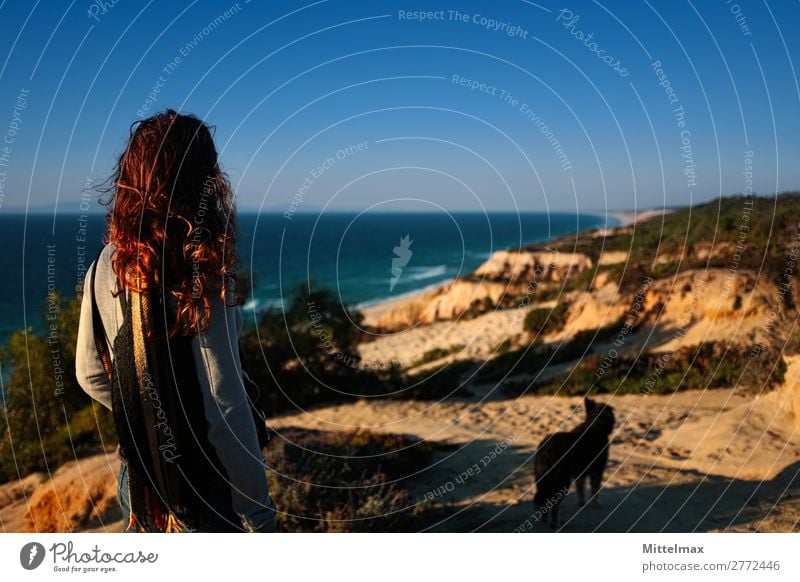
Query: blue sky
<point x="505" y="105"/>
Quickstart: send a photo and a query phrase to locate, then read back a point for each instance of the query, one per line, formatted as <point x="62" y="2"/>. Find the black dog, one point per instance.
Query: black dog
<point x="564" y="457"/>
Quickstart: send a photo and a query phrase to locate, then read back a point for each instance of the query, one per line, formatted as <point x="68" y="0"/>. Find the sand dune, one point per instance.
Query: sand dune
<point x="710" y="305"/>
<point x="80" y="496"/>
<point x="743" y="475"/>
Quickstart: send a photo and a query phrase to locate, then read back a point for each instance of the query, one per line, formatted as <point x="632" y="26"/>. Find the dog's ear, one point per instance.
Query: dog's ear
<point x="590" y="406"/>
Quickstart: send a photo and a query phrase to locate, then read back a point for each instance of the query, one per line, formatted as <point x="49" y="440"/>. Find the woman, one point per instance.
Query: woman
<point x="158" y="338"/>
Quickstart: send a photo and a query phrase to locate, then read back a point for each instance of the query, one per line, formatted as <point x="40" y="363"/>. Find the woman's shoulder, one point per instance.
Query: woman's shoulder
<point x="102" y="270"/>
<point x="107" y="253"/>
<point x="104" y="257"/>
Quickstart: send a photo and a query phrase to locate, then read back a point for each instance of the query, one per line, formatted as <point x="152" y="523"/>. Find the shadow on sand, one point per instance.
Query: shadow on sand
<point x="499" y="498"/>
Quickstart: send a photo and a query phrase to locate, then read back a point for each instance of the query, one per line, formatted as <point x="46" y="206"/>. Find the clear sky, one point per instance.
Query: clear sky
<point x="498" y="105"/>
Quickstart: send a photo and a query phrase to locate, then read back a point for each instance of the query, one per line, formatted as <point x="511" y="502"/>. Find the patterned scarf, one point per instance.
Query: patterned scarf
<point x="176" y="481"/>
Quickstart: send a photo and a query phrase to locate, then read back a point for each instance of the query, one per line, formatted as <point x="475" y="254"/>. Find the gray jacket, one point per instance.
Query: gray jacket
<point x="231" y="430"/>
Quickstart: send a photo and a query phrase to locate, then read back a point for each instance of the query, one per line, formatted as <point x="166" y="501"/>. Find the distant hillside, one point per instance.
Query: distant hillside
<point x="702" y="296"/>
<point x="736" y="232"/>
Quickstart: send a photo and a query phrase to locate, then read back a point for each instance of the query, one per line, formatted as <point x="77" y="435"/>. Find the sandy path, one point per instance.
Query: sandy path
<point x="478" y="337"/>
<point x="684" y="462"/>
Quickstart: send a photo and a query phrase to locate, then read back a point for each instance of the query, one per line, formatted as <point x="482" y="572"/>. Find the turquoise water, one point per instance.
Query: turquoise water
<point x="352" y="254"/>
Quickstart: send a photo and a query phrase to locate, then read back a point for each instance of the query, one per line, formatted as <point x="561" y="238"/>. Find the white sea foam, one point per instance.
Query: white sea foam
<point x="422" y="273"/>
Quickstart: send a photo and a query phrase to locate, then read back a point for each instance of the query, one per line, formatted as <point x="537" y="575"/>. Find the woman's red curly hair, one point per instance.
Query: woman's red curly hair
<point x="172" y="218"/>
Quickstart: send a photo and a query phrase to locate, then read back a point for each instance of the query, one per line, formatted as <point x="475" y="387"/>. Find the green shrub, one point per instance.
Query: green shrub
<point x="437" y="354"/>
<point x="346" y="482"/>
<point x="588" y="336"/>
<point x="531" y="360"/>
<point x="45" y="416"/>
<point x="710" y="365"/>
<point x="528" y="360"/>
<point x="503" y="347"/>
<point x="308" y="354"/>
<point x="446" y="380"/>
<point x="540" y="321"/>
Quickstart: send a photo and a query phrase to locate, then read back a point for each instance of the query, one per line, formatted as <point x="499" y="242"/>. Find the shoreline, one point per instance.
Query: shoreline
<point x="630" y="217"/>
<point x="374" y="310"/>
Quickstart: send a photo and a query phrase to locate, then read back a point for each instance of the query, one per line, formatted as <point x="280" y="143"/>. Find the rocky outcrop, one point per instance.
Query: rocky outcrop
<point x="504" y="273"/>
<point x="449" y="301"/>
<point x="755" y="440"/>
<point x="81" y="496"/>
<point x="14" y="497"/>
<point x="590" y="310"/>
<point x="552" y="265"/>
<point x="612" y="258"/>
<point x="691" y="308"/>
<point x="711" y="305"/>
<point x="708" y="250"/>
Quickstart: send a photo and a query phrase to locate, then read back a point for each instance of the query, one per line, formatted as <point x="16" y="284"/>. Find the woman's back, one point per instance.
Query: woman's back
<point x="176" y="274"/>
<point x="217" y="365"/>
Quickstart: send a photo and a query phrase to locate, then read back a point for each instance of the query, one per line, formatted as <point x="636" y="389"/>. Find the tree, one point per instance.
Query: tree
<point x="307" y="354"/>
<point x="45" y="416"/>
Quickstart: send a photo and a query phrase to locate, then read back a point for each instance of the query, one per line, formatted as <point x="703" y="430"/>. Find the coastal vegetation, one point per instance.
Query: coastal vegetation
<point x="347" y="481"/>
<point x="739" y="232"/>
<point x="46" y="419"/>
<point x="709" y="366"/>
<point x="539" y="321"/>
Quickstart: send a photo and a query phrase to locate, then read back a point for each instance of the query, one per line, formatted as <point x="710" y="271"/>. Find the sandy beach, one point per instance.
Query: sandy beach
<point x="372" y="313"/>
<point x="629" y="217"/>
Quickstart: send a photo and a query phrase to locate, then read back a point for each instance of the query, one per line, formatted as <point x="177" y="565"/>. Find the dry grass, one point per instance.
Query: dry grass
<point x="346" y="481"/>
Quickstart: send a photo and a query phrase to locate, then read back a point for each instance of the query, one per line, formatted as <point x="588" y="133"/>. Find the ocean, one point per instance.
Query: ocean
<point x="363" y="258"/>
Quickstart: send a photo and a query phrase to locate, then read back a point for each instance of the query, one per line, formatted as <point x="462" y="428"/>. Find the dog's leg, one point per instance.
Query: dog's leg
<point x="580" y="487"/>
<point x="594" y="480"/>
<point x="553" y="518"/>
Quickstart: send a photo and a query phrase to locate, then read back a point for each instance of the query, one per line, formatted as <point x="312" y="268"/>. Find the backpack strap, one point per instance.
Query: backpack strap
<point x="100" y="336"/>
